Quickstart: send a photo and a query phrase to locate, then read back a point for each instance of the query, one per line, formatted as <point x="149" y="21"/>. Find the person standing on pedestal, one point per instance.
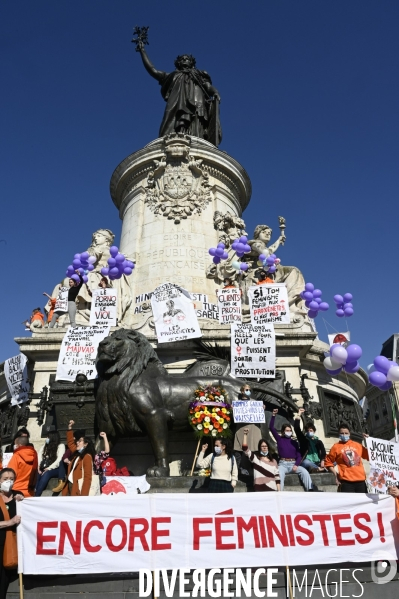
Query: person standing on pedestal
<point x="263" y="278"/>
<point x="253" y="432"/>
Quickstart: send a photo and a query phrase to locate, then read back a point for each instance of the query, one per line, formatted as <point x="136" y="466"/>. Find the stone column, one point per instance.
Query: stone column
<point x="167" y="195"/>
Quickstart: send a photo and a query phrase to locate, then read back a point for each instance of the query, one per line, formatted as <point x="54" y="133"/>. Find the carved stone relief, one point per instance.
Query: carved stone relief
<point x="337" y="409"/>
<point x="177" y="186"/>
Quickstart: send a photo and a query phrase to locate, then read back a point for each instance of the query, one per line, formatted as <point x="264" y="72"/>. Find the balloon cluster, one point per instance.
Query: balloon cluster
<point x="382" y="372"/>
<point x="218" y="253"/>
<point x="117" y="265"/>
<point x="82" y="263"/>
<point x="241" y="247"/>
<point x="269" y="263"/>
<point x="344" y="305"/>
<point x="313" y="300"/>
<point x="343" y="358"/>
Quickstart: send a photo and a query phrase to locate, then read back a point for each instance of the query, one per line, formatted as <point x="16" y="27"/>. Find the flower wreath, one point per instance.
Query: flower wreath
<point x="210" y="415"/>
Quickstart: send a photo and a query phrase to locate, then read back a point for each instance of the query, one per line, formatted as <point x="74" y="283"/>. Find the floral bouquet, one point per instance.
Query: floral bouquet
<point x="210" y="415"/>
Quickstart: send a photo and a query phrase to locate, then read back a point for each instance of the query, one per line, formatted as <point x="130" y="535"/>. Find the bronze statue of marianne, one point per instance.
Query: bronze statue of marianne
<point x="192" y="103"/>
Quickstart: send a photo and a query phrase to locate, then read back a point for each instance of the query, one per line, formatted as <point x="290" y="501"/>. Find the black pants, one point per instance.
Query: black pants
<point x="357" y="486"/>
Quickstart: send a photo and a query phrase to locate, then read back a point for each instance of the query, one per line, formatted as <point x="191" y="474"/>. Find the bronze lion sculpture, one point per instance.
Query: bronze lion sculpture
<point x="136" y="393"/>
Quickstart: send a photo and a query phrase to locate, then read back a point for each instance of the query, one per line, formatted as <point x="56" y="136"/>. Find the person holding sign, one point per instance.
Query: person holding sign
<point x="80" y="467"/>
<point x="266" y="472"/>
<point x="348" y="455"/>
<point x="36" y="320"/>
<point x="253" y="432"/>
<point x="228" y="283"/>
<point x="49" y="307"/>
<point x="9" y="521"/>
<point x="224" y="471"/>
<point x="75" y="283"/>
<point x="290" y="456"/>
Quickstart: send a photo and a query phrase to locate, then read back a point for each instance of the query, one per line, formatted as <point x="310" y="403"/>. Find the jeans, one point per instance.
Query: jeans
<point x="285" y="467"/>
<point x="62" y="470"/>
<point x="309" y="465"/>
<point x="42" y="480"/>
<point x="72" y="313"/>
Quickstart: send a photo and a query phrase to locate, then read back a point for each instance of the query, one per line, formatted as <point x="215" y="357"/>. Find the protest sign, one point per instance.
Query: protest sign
<point x="248" y="411"/>
<point x="269" y="303"/>
<point x="104" y="307"/>
<point x="229" y="302"/>
<point x="253" y="350"/>
<point x="79" y="351"/>
<point x="6" y="458"/>
<point x="16" y="374"/>
<point x="384" y="464"/>
<point x="174" y="314"/>
<point x="340" y="338"/>
<point x="125" y="485"/>
<point x="60" y="535"/>
<point x="61" y="305"/>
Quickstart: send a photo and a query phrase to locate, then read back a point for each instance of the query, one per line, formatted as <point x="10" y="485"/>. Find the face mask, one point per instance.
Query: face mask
<point x="344" y="438"/>
<point x="81" y="449"/>
<point x="264" y="453"/>
<point x="6" y="486"/>
<point x="288" y="434"/>
<point x="310" y="434"/>
<point x="47" y="441"/>
<point x="247" y="392"/>
<point x="218" y="450"/>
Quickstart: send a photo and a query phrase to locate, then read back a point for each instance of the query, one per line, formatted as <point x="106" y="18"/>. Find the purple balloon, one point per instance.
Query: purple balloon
<point x="127" y="271"/>
<point x="113" y="250"/>
<point x="382" y="364"/>
<point x="262" y="257"/>
<point x="317" y="293"/>
<point x="272" y="269"/>
<point x="377" y="378"/>
<point x="111" y="262"/>
<point x="239" y="254"/>
<point x="247" y="248"/>
<point x="270" y="260"/>
<point x="352" y="367"/>
<point x="333" y="345"/>
<point x="301" y="294"/>
<point x="386" y="386"/>
<point x="348" y="297"/>
<point x="85" y="278"/>
<point x="334" y="372"/>
<point x="212" y="251"/>
<point x="76" y="263"/>
<point x="225" y="255"/>
<point x="243" y="239"/>
<point x="348" y="312"/>
<point x="81" y="271"/>
<point x="307" y="303"/>
<point x="91" y="259"/>
<point x="90" y="267"/>
<point x="309" y="287"/>
<point x="314" y="306"/>
<point x="308" y="295"/>
<point x="348" y="305"/>
<point x="312" y="313"/>
<point x="317" y="300"/>
<point x="216" y="260"/>
<point x="105" y="271"/>
<point x="219" y="252"/>
<point x="338" y="299"/>
<point x="75" y="278"/>
<point x="77" y="256"/>
<point x="354" y="352"/>
<point x="114" y="271"/>
<point x="120" y="258"/>
<point x="340" y="313"/>
<point x="221" y="245"/>
<point x="130" y="263"/>
<point x="84" y="256"/>
<point x="324" y="306"/>
<point x="244" y="266"/>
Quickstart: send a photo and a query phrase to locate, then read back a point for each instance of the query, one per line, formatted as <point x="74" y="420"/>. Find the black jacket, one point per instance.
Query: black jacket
<point x="304" y="442"/>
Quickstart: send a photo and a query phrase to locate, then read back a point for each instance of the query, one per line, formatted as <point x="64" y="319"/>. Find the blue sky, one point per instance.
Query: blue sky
<point x="309" y="107"/>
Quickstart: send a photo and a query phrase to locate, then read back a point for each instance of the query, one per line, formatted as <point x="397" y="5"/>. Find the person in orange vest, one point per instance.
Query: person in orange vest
<point x="263" y="277"/>
<point x="228" y="283"/>
<point x="24" y="462"/>
<point x="36" y="320"/>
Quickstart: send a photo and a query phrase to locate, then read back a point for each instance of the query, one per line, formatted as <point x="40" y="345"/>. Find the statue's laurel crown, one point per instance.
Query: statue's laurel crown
<point x="178" y="59"/>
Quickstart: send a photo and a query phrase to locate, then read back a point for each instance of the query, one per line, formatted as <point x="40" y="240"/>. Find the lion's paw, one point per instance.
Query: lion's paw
<point x="158" y="471"/>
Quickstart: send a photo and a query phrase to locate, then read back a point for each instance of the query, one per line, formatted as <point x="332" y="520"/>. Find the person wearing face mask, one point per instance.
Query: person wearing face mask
<point x="348" y="455"/>
<point x="24" y="462"/>
<point x="224" y="471"/>
<point x="50" y="456"/>
<point x="8" y="523"/>
<point x="290" y="456"/>
<point x="253" y="435"/>
<point x="80" y="467"/>
<point x="266" y="472"/>
<point x="312" y="449"/>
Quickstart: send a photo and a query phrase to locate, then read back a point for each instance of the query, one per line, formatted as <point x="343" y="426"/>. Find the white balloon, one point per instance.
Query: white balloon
<point x="370" y="368"/>
<point x="339" y="354"/>
<point x="330" y="364"/>
<point x="393" y="373"/>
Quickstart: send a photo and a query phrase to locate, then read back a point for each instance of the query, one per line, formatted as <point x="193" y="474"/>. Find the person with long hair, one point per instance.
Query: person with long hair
<point x="9" y="520"/>
<point x="80" y="467"/>
<point x="253" y="436"/>
<point x="224" y="471"/>
<point x="266" y="472"/>
<point x="49" y="459"/>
